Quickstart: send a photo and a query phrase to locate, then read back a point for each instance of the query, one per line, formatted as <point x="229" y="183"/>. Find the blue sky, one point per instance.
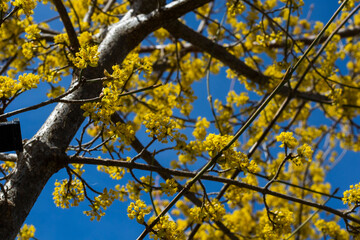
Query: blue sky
<point x="53" y="223"/>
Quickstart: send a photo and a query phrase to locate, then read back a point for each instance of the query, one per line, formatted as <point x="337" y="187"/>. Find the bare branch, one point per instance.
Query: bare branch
<point x="75" y="45"/>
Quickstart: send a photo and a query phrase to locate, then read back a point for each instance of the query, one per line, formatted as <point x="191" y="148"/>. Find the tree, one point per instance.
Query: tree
<point x="134" y="65"/>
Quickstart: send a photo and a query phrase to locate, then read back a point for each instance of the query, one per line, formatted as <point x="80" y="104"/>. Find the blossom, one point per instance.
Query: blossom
<point x="352" y="196"/>
<point x="55" y="92"/>
<point x="287" y="139"/>
<point x="169" y="187"/>
<point x="32" y="32"/>
<point x="87" y="56"/>
<point x="26" y="232"/>
<point x="166" y="229"/>
<point x="304" y="153"/>
<point x="213" y="210"/>
<point x="138" y="210"/>
<point x="68" y="194"/>
<point x="26" y="5"/>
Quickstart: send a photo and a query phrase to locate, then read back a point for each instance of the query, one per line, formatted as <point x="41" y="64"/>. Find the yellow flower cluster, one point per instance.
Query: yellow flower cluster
<point x="213" y="210"/>
<point x="87" y="56"/>
<point x="236" y="195"/>
<point x="133" y="189"/>
<point x="309" y="134"/>
<point x="4" y="5"/>
<point x="224" y="116"/>
<point x="28" y="49"/>
<point x="230" y="158"/>
<point x="32" y="32"/>
<point x="215" y="31"/>
<point x="241" y="99"/>
<point x="138" y="210"/>
<point x="349" y="5"/>
<point x="241" y="220"/>
<point x="281" y="224"/>
<point x="116" y="173"/>
<point x="78" y="168"/>
<point x="26" y="5"/>
<point x="352" y="196"/>
<point x="161" y="34"/>
<point x="304" y="154"/>
<point x="169" y="187"/>
<point x="55" y="92"/>
<point x="337" y="97"/>
<point x="200" y="128"/>
<point x="214" y="143"/>
<point x="26" y="232"/>
<point x="114" y="86"/>
<point x="85" y="38"/>
<point x="9" y="87"/>
<point x="235" y="7"/>
<point x="265" y="39"/>
<point x="331" y="229"/>
<point x="62" y="38"/>
<point x="287" y="140"/>
<point x="66" y="195"/>
<point x="166" y="229"/>
<point x="148" y="183"/>
<point x="28" y="81"/>
<point x="161" y="126"/>
<point x="190" y="152"/>
<point x="100" y="204"/>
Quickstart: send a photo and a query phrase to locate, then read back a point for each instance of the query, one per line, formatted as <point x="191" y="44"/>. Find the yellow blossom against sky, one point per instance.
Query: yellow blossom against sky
<point x="181" y="119"/>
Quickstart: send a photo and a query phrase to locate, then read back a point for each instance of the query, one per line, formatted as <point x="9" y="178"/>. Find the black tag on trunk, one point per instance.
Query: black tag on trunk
<point x="10" y="136"/>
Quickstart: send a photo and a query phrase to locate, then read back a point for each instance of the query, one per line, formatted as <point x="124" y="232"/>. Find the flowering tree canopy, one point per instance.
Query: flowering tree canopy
<point x="146" y="105"/>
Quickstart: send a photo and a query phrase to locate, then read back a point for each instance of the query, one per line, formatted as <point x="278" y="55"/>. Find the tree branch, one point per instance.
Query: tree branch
<point x="182" y="173"/>
<point x="180" y="30"/>
<point x="75" y="45"/>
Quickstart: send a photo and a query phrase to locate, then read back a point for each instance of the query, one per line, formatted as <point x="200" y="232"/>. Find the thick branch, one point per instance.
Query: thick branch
<point x="182" y="173"/>
<point x="67" y="24"/>
<point x="179" y="30"/>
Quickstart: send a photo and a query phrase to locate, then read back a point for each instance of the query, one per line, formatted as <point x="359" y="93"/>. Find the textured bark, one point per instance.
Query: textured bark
<point x="44" y="154"/>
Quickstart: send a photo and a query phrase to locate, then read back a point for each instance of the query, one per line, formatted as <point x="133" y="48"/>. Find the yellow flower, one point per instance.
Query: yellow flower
<point x="287" y="139"/>
<point x="169" y="187"/>
<point x="210" y="211"/>
<point x="66" y="195"/>
<point x="55" y="92"/>
<point x="352" y="196"/>
<point x="32" y="32"/>
<point x="305" y="153"/>
<point x="26" y="232"/>
<point x="332" y="229"/>
<point x="166" y="229"/>
<point x="87" y="56"/>
<point x="28" y="49"/>
<point x="28" y="81"/>
<point x="138" y="210"/>
<point x="62" y="38"/>
<point x="26" y="5"/>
